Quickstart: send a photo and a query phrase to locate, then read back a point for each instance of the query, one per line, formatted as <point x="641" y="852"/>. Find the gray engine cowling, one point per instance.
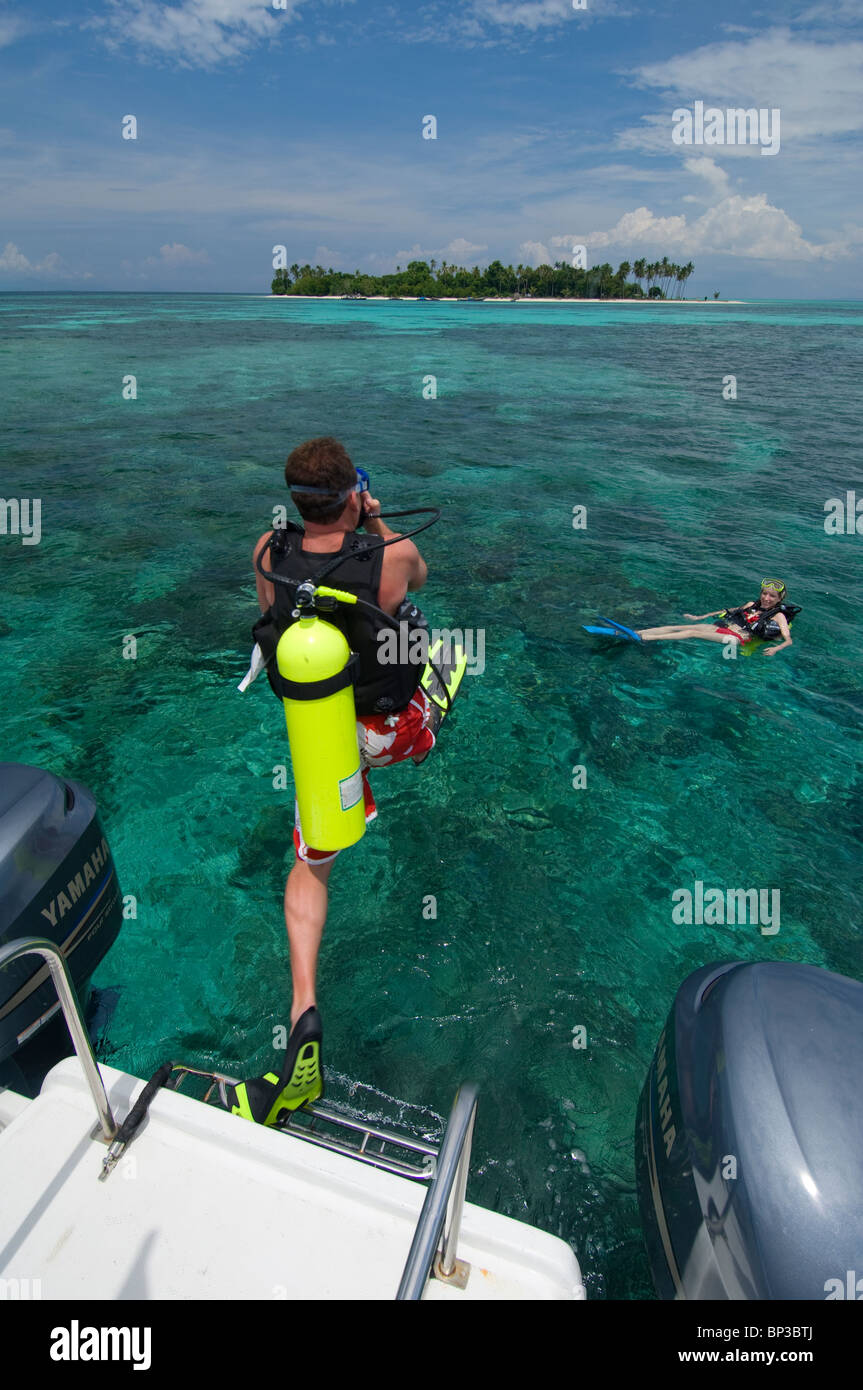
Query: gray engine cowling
<point x="749" y="1136"/>
<point x="57" y="880"/>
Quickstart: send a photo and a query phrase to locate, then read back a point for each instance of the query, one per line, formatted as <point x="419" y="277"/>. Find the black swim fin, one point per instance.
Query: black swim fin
<point x="266" y="1099"/>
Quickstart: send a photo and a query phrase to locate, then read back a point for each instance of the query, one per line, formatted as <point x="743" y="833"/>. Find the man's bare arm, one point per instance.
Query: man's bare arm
<point x="411" y="564"/>
<point x="266" y="591"/>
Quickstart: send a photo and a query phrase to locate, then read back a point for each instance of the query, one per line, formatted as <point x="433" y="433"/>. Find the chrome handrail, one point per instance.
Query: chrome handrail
<point x="39" y="946"/>
<point x="451" y="1172"/>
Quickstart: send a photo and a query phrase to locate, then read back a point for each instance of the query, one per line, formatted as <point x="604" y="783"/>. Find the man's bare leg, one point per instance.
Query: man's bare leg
<point x="306" y="901"/>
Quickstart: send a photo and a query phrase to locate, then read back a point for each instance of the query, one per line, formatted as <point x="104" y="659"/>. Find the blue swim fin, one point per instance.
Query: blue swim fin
<point x="622" y="631"/>
<point x="601" y="631"/>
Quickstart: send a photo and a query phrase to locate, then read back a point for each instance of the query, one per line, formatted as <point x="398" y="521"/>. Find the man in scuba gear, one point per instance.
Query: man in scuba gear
<point x="766" y="618"/>
<point x="394" y="716"/>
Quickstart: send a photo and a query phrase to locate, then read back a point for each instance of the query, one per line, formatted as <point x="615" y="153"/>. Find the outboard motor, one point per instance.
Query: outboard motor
<point x="749" y="1137"/>
<point x="57" y="880"/>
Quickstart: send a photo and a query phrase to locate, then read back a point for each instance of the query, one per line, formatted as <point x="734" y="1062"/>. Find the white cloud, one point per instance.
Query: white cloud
<point x="12" y="28"/>
<point x="416" y="253"/>
<point x="815" y="84"/>
<point x="715" y="176"/>
<point x="175" y="254"/>
<point x="14" y="262"/>
<point x="536" y="254"/>
<point x="534" y="15"/>
<point x="633" y="228"/>
<point x="459" y="249"/>
<point x="485" y="22"/>
<point x="194" y="33"/>
<point x="462" y="249"/>
<point x="522" y="14"/>
<point x="831" y="12"/>
<point x="736" y="226"/>
<point x="329" y="259"/>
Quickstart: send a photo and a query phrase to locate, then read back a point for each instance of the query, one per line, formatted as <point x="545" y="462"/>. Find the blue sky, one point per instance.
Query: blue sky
<point x="302" y="126"/>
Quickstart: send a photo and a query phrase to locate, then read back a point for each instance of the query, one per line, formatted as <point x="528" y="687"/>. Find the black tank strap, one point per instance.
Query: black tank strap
<point x="317" y="690"/>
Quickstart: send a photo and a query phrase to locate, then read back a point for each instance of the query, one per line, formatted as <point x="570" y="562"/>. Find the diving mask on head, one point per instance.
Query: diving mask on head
<point x="774" y="586"/>
<point x="361" y="485"/>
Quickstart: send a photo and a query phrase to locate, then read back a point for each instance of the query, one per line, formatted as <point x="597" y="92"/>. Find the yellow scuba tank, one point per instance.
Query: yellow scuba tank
<point x="317" y="670"/>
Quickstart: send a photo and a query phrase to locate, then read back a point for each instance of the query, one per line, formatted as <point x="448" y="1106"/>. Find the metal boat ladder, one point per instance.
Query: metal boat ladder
<point x="433" y="1251"/>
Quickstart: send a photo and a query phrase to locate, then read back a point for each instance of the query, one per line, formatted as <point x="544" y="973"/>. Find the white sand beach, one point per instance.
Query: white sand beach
<point x="444" y="299"/>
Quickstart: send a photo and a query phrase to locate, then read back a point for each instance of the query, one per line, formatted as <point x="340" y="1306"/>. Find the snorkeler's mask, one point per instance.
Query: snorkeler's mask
<point x="774" y="586"/>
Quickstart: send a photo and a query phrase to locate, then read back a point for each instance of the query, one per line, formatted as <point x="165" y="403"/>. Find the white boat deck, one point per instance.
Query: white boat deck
<point x="208" y="1206"/>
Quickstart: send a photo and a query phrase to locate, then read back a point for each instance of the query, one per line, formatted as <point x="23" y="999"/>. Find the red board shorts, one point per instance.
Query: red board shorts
<point x="383" y="739"/>
<point x="729" y="631"/>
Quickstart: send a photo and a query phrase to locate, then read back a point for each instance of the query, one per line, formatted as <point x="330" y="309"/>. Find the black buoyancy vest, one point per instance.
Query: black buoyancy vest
<point x="759" y="622"/>
<point x="380" y="688"/>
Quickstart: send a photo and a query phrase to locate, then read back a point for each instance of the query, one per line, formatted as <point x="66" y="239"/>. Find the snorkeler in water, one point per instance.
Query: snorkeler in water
<point x="767" y="617"/>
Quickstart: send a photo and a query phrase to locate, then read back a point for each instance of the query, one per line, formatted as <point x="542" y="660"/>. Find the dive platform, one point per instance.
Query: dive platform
<point x="201" y="1204"/>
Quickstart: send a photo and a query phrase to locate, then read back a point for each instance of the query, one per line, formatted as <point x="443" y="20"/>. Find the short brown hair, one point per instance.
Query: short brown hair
<point x="321" y="462"/>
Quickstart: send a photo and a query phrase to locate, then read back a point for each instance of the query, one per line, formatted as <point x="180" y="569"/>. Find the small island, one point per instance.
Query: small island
<point x="427" y="280"/>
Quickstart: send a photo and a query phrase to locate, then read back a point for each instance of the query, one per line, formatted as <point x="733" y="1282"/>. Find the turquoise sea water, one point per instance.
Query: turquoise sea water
<point x="554" y="904"/>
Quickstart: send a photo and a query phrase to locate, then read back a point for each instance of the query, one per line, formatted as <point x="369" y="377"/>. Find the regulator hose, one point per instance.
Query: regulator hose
<point x="326" y="569"/>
